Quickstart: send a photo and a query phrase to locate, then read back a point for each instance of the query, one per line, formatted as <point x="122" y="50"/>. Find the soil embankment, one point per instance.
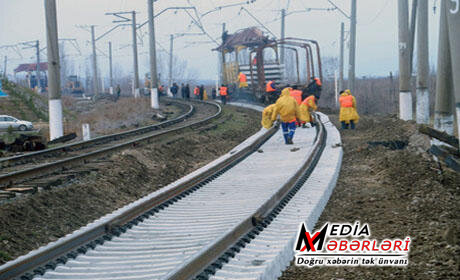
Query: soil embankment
<point x="399" y="193"/>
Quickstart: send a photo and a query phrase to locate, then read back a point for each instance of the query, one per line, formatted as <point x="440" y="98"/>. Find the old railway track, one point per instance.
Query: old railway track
<point x="192" y="227"/>
<point x="52" y="167"/>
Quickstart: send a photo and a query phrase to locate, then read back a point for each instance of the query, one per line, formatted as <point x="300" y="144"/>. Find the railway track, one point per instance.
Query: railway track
<point x="196" y="226"/>
<point x="55" y="166"/>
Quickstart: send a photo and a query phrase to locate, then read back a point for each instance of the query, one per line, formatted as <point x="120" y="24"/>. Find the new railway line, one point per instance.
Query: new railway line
<point x="232" y="218"/>
<point x="55" y="166"/>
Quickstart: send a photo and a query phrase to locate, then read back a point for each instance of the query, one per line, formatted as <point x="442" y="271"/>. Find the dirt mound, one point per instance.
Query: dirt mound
<point x="399" y="193"/>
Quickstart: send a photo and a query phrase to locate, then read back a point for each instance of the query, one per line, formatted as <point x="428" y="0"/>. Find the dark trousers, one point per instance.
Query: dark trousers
<point x="345" y="125"/>
<point x="288" y="130"/>
<point x="223" y="98"/>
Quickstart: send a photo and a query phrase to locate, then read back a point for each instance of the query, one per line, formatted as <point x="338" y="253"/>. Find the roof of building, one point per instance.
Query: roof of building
<point x="28" y="67"/>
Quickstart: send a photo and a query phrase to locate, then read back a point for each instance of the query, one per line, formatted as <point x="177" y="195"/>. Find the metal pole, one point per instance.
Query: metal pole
<point x="423" y="96"/>
<point x="136" y="68"/>
<point x="171" y="45"/>
<point x="95" y="76"/>
<point x="55" y="105"/>
<point x="223" y="80"/>
<point x="405" y="97"/>
<point x="342" y="31"/>
<point x="453" y="22"/>
<point x="153" y="59"/>
<point x="37" y="46"/>
<point x="110" y="66"/>
<point x="4" y="66"/>
<point x="443" y="108"/>
<point x="413" y="18"/>
<point x="351" y="66"/>
<point x="283" y="18"/>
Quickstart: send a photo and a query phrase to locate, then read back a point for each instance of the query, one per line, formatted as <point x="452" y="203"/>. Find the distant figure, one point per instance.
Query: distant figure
<point x="348" y="113"/>
<point x="271" y="92"/>
<point x="196" y="92"/>
<point x="287" y="108"/>
<point x="174" y="89"/>
<point x="213" y="93"/>
<point x="187" y="92"/>
<point x="223" y="94"/>
<point x="314" y="87"/>
<point x="117" y="92"/>
<point x="202" y="92"/>
<point x="182" y="90"/>
<point x="161" y="90"/>
<point x="243" y="80"/>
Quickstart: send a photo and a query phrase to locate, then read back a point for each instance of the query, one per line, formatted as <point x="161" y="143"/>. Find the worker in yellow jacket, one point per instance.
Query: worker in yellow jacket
<point x="348" y="113"/>
<point x="288" y="110"/>
<point x="267" y="116"/>
<point x="308" y="106"/>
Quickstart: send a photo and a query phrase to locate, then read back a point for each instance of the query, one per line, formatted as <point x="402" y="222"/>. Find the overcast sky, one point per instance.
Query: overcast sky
<point x="377" y="33"/>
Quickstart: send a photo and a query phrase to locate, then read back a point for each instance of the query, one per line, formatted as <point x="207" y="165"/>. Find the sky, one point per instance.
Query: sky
<point x="377" y="31"/>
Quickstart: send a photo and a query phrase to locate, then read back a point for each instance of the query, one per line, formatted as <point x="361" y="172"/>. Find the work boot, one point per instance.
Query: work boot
<point x="290" y="141"/>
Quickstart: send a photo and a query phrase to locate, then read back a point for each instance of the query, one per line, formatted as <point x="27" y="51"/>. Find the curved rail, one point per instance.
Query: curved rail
<point x="96" y="233"/>
<point x="20" y="159"/>
<point x="41" y="170"/>
<point x="206" y="259"/>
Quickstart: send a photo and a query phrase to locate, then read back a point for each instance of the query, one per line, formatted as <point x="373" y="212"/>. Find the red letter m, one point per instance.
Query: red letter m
<point x="304" y="237"/>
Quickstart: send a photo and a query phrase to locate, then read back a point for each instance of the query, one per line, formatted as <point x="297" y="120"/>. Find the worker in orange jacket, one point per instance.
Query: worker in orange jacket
<point x="196" y="92"/>
<point x="348" y="113"/>
<point x="307" y="107"/>
<point x="223" y="91"/>
<point x="243" y="80"/>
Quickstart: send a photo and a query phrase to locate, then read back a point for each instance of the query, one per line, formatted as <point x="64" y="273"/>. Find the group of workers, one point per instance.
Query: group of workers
<point x="295" y="107"/>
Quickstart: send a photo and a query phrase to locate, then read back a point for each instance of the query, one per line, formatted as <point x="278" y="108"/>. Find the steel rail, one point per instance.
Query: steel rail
<point x="81" y="240"/>
<point x="209" y="254"/>
<point x="15" y="160"/>
<point x="47" y="168"/>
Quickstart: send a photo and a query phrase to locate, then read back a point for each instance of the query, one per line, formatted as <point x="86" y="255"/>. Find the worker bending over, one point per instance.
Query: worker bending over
<point x="348" y="113"/>
<point x="307" y="107"/>
<point x="288" y="110"/>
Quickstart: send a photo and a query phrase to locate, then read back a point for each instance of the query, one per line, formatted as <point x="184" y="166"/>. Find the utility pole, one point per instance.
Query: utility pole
<point x="95" y="76"/>
<point x="453" y="21"/>
<point x="351" y="66"/>
<point x="423" y="96"/>
<point x="342" y="39"/>
<point x="405" y="97"/>
<point x="4" y="66"/>
<point x="413" y="19"/>
<point x="444" y="109"/>
<point x="222" y="78"/>
<point x="171" y="46"/>
<point x="110" y="68"/>
<point x="55" y="105"/>
<point x="283" y="18"/>
<point x="37" y="46"/>
<point x="153" y="58"/>
<point x="136" y="68"/>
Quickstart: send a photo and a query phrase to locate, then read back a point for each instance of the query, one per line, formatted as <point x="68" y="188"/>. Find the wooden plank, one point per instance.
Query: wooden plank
<point x="440" y="135"/>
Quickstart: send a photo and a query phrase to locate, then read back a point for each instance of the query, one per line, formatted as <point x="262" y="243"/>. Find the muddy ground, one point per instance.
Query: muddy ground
<point x="35" y="220"/>
<point x="398" y="193"/>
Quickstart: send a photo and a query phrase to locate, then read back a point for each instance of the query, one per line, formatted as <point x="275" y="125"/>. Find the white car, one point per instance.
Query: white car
<point x="7" y="121"/>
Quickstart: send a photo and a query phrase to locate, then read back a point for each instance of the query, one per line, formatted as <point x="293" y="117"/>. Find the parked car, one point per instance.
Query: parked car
<point x="7" y="121"/>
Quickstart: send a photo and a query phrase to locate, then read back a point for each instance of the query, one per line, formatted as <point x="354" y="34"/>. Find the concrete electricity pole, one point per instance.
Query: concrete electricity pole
<point x="423" y="96"/>
<point x="55" y="105"/>
<point x="444" y="108"/>
<point x="342" y="39"/>
<point x="135" y="59"/>
<point x="405" y="97"/>
<point x="453" y="21"/>
<point x="283" y="18"/>
<point x="95" y="76"/>
<point x="171" y="48"/>
<point x="413" y="19"/>
<point x="153" y="58"/>
<point x="37" y="46"/>
<point x="110" y="68"/>
<point x="4" y="66"/>
<point x="351" y="57"/>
